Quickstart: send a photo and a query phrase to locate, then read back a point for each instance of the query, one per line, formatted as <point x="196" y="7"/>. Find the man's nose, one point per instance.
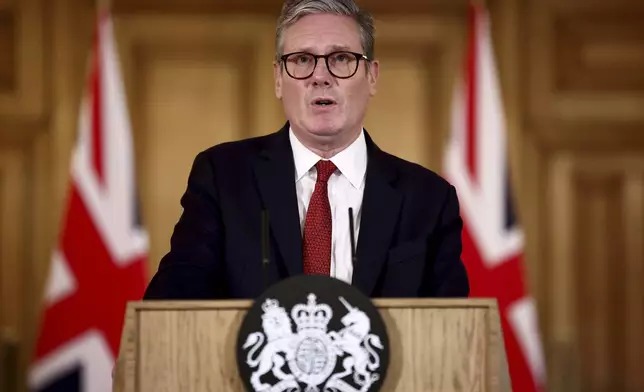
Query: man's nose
<point x="321" y="74"/>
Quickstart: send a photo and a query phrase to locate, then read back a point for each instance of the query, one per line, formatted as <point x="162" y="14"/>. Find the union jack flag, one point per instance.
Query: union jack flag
<point x="98" y="264"/>
<point x="476" y="164"/>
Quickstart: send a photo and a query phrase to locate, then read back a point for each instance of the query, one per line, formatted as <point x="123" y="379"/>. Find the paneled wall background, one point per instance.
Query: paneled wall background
<point x="198" y="72"/>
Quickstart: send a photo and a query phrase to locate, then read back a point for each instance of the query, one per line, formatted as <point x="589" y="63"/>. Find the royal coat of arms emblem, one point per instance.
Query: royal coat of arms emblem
<point x="296" y="350"/>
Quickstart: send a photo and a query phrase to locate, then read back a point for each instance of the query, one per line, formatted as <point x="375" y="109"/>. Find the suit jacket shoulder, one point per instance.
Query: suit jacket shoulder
<point x="418" y="183"/>
<point x="237" y="151"/>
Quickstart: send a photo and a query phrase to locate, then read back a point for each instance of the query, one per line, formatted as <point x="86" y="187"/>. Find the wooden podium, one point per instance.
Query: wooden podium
<point x="436" y="345"/>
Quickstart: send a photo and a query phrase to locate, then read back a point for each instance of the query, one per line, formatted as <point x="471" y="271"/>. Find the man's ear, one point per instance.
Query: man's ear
<point x="373" y="72"/>
<point x="277" y="74"/>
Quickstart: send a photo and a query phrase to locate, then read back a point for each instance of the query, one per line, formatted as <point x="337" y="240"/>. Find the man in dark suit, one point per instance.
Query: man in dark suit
<point x="308" y="176"/>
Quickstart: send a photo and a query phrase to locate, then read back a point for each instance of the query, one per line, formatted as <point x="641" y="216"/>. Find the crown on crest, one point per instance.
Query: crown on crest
<point x="312" y="315"/>
<point x="272" y="307"/>
<point x="270" y="304"/>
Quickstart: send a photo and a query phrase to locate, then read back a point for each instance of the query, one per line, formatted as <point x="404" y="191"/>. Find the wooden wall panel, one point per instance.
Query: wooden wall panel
<point x="13" y="271"/>
<point x="7" y="50"/>
<point x="22" y="109"/>
<point x="584" y="108"/>
<point x="24" y="100"/>
<point x="403" y="76"/>
<point x="177" y="85"/>
<point x="598" y="51"/>
<point x="12" y="212"/>
<point x="583" y="61"/>
<point x="419" y="57"/>
<point x="25" y="215"/>
<point x="597" y="301"/>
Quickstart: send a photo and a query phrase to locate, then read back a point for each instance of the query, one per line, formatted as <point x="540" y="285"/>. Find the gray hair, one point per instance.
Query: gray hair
<point x="293" y="10"/>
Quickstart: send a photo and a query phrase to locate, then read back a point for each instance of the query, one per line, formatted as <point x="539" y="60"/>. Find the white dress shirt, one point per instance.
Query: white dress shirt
<point x="345" y="188"/>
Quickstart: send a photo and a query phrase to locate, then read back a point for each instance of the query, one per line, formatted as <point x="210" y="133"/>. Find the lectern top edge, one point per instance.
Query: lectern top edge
<point x="233" y="304"/>
<point x="382" y="303"/>
<point x="452" y="303"/>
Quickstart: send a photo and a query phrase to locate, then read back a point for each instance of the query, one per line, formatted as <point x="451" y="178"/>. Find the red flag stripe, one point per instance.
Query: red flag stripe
<point x="97" y="113"/>
<point x="471" y="64"/>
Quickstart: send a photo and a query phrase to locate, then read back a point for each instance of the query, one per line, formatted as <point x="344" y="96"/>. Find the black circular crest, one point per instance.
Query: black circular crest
<point x="312" y="333"/>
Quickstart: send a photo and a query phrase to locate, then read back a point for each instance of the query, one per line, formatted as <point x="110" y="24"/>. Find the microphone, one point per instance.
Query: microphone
<point x="265" y="246"/>
<point x="354" y="257"/>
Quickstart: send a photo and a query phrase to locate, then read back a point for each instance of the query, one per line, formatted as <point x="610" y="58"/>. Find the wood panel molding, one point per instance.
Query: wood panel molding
<point x="143" y="38"/>
<point x="24" y="101"/>
<point x="599" y="51"/>
<point x="13" y="207"/>
<point x="7" y="51"/>
<point x="588" y="135"/>
<point x="25" y="241"/>
<point x="584" y="60"/>
<point x="414" y="69"/>
<point x="165" y="143"/>
<point x="420" y="58"/>
<point x="241" y="43"/>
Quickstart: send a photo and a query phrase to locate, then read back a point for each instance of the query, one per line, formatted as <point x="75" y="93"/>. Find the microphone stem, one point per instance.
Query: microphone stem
<point x="353" y="239"/>
<point x="265" y="247"/>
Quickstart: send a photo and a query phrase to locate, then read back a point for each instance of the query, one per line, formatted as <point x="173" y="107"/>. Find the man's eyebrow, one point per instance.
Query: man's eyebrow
<point x="333" y="48"/>
<point x="340" y="47"/>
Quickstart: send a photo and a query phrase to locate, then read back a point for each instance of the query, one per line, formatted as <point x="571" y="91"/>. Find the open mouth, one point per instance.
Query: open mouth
<point x="323" y="102"/>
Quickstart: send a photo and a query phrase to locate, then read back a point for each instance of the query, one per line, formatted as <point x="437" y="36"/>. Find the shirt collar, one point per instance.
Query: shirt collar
<point x="351" y="162"/>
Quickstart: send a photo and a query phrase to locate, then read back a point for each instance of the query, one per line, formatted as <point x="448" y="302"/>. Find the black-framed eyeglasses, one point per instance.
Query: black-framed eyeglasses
<point x="342" y="64"/>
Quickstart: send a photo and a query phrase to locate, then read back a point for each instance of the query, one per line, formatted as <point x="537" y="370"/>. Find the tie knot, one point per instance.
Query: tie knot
<point x="325" y="169"/>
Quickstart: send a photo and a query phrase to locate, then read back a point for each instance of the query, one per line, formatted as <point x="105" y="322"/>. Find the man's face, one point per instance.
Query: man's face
<point x="321" y="34"/>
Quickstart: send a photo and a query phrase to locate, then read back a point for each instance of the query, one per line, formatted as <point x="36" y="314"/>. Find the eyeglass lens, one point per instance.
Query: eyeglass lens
<point x="302" y="65"/>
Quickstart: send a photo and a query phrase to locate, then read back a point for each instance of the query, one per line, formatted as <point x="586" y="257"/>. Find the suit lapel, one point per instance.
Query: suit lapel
<point x="380" y="210"/>
<point x="275" y="174"/>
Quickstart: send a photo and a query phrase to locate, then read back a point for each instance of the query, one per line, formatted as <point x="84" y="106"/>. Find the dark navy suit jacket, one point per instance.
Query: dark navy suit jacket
<point x="410" y="232"/>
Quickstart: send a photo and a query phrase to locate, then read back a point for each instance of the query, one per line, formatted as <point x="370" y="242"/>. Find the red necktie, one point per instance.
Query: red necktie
<point x="317" y="226"/>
